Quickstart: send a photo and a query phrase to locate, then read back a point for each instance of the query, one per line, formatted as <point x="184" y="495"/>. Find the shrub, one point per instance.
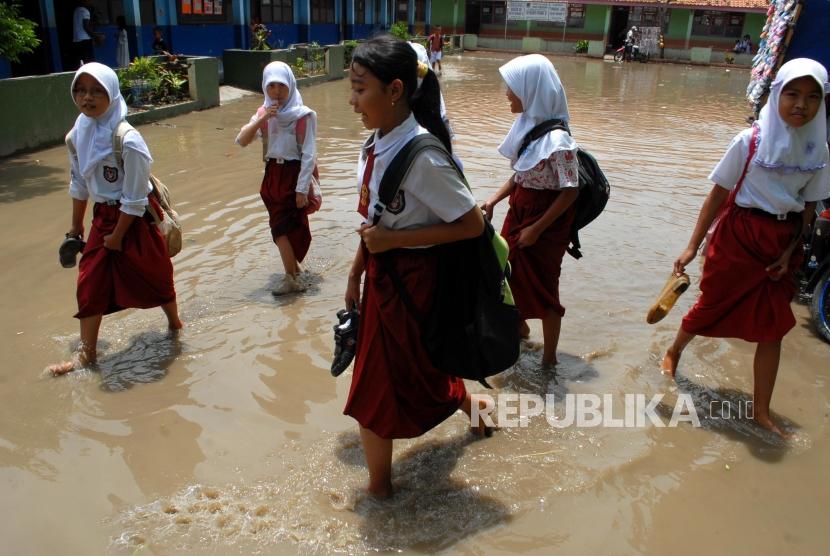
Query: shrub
<point x="581" y="47"/>
<point x="400" y="29"/>
<point x="17" y="34"/>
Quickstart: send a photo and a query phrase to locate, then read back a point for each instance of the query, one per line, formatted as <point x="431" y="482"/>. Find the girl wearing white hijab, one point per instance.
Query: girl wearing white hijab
<point x="288" y="129"/>
<point x="125" y="263"/>
<point x="542" y="192"/>
<point x="767" y="182"/>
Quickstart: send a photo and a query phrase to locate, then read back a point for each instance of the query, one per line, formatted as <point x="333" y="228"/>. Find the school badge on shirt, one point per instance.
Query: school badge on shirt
<point x="398" y="203"/>
<point x="110" y="174"/>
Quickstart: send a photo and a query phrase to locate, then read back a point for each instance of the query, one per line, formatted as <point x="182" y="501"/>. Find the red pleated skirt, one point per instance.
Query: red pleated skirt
<point x="278" y="192"/>
<point x="534" y="280"/>
<point x="396" y="392"/>
<point x="738" y="299"/>
<point x="139" y="276"/>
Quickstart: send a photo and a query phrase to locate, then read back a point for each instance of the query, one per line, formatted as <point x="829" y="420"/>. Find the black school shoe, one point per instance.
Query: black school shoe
<point x="345" y="340"/>
<point x="69" y="249"/>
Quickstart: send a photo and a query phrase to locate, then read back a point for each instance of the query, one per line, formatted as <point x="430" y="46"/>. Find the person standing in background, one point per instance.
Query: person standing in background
<point x="122" y="55"/>
<point x="82" y="33"/>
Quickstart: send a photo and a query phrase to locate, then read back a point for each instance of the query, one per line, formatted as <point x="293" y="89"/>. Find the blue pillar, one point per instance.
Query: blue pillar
<point x="132" y="13"/>
<point x="384" y="13"/>
<point x="350" y="17"/>
<point x="241" y="19"/>
<point x="427" y="17"/>
<point x="302" y="19"/>
<point x="410" y="15"/>
<point x="47" y="9"/>
<point x="166" y="19"/>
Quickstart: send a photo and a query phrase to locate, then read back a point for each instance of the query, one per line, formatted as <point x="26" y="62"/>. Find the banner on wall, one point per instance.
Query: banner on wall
<point x="649" y="37"/>
<point x="217" y="7"/>
<point x="537" y="11"/>
<point x="197" y="7"/>
<point x="208" y="7"/>
<point x="186" y="7"/>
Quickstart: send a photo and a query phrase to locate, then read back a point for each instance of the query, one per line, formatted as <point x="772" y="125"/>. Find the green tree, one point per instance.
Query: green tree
<point x="400" y="29"/>
<point x="17" y="34"/>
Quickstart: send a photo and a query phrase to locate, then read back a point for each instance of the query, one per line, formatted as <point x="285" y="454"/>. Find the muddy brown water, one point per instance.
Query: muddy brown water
<point x="230" y="438"/>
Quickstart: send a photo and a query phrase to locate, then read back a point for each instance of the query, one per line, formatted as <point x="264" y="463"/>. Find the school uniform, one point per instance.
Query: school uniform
<point x="141" y="274"/>
<point x="288" y="167"/>
<point x="738" y="299"/>
<point x="542" y="171"/>
<point x="396" y="392"/>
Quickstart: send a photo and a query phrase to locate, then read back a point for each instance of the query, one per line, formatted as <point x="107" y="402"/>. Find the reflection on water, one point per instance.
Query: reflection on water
<point x="230" y="438"/>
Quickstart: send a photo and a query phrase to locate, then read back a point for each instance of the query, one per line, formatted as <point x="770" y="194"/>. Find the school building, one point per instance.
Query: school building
<point x="208" y="27"/>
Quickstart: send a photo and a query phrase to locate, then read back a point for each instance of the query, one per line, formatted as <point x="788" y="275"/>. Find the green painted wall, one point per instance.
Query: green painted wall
<point x="753" y="24"/>
<point x="595" y="19"/>
<point x="442" y="14"/>
<point x="678" y="23"/>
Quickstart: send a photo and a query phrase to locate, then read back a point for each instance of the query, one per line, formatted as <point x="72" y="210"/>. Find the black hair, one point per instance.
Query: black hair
<point x="121" y="21"/>
<point x="390" y="58"/>
<point x="159" y="29"/>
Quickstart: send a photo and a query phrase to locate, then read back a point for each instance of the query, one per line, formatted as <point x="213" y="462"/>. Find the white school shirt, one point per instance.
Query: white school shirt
<point x="78" y="32"/>
<point x="123" y="51"/>
<point x="285" y="147"/>
<point x="767" y="189"/>
<point x="129" y="185"/>
<point x="431" y="192"/>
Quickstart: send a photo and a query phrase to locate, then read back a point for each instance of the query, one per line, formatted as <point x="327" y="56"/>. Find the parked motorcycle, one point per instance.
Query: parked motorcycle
<point x="630" y="52"/>
<point x="814" y="274"/>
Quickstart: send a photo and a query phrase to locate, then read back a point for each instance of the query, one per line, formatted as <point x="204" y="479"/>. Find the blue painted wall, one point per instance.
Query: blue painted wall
<point x="363" y="31"/>
<point x="324" y="34"/>
<point x="202" y="40"/>
<point x="288" y="33"/>
<point x="810" y="37"/>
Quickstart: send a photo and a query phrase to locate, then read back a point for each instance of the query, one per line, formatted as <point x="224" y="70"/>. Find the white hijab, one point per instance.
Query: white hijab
<point x="293" y="109"/>
<point x="533" y="79"/>
<point x="423" y="57"/>
<point x="93" y="136"/>
<point x="793" y="149"/>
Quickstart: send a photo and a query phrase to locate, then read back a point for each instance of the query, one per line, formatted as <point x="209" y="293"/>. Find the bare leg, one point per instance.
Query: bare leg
<point x="672" y="357"/>
<point x="524" y="330"/>
<point x="171" y="310"/>
<point x="378" y="452"/>
<point x="767" y="357"/>
<point x="551" y="325"/>
<point x="289" y="261"/>
<point x="88" y="349"/>
<point x="478" y="429"/>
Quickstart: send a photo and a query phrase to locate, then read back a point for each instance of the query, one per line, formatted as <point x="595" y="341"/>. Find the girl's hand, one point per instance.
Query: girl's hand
<point x="779" y="268"/>
<point x="76" y="232"/>
<point x="352" y="297"/>
<point x="527" y="237"/>
<point x="377" y="238"/>
<point x="488" y="207"/>
<point x="269" y="113"/>
<point x="302" y="200"/>
<point x="112" y="243"/>
<point x="685" y="258"/>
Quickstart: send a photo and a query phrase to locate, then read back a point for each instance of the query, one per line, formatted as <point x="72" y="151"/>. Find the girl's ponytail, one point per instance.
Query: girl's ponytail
<point x="390" y="58"/>
<point x="426" y="105"/>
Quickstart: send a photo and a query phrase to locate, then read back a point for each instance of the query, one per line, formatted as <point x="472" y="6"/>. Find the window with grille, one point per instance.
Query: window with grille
<point x="717" y="24"/>
<point x="277" y="11"/>
<point x="322" y="11"/>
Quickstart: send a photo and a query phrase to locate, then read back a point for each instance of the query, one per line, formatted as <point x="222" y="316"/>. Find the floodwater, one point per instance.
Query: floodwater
<point x="229" y="439"/>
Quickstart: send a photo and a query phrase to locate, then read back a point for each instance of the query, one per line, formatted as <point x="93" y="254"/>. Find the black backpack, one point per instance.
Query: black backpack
<point x="594" y="188"/>
<point x="472" y="330"/>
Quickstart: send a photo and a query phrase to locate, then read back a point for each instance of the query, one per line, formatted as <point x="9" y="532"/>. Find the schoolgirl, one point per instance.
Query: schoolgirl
<point x="125" y="263"/>
<point x="767" y="183"/>
<point x="542" y="191"/>
<point x="288" y="128"/>
<point x="395" y="391"/>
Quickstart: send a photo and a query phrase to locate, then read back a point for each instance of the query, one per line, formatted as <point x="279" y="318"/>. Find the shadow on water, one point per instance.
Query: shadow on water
<point x="728" y="412"/>
<point x="22" y="179"/>
<point x="445" y="509"/>
<point x="146" y="359"/>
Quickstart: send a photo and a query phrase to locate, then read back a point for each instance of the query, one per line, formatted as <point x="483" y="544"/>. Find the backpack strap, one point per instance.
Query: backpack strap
<point x="540" y="130"/>
<point x="753" y="145"/>
<point x="118" y="134"/>
<point x="400" y="165"/>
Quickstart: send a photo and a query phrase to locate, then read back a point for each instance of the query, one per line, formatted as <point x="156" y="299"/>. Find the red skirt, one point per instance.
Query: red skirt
<point x="535" y="270"/>
<point x="738" y="299"/>
<point x="278" y="192"/>
<point x="139" y="276"/>
<point x="396" y="392"/>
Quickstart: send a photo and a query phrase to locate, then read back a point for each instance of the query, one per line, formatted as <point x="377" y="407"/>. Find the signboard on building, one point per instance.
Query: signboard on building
<point x="537" y="11"/>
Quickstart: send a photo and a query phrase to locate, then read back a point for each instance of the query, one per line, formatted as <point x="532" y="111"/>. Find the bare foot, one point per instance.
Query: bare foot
<point x="524" y="330"/>
<point x="669" y="365"/>
<point x="766" y="422"/>
<point x="175" y="324"/>
<point x="61" y="368"/>
<point x="482" y="431"/>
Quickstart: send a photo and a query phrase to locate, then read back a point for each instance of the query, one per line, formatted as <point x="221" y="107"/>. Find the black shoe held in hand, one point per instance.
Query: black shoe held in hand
<point x="345" y="340"/>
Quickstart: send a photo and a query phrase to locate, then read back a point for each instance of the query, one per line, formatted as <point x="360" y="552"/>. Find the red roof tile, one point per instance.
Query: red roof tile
<point x="719" y="5"/>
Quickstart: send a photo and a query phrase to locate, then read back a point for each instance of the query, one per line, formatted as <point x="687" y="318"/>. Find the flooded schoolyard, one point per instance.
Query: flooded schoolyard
<point x="229" y="439"/>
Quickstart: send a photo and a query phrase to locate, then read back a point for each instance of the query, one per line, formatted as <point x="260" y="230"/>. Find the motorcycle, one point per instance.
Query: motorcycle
<point x="814" y="274"/>
<point x="630" y="52"/>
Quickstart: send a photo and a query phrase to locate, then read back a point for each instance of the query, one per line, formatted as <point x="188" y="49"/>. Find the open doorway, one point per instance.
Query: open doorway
<point x="618" y="27"/>
<point x="472" y="20"/>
